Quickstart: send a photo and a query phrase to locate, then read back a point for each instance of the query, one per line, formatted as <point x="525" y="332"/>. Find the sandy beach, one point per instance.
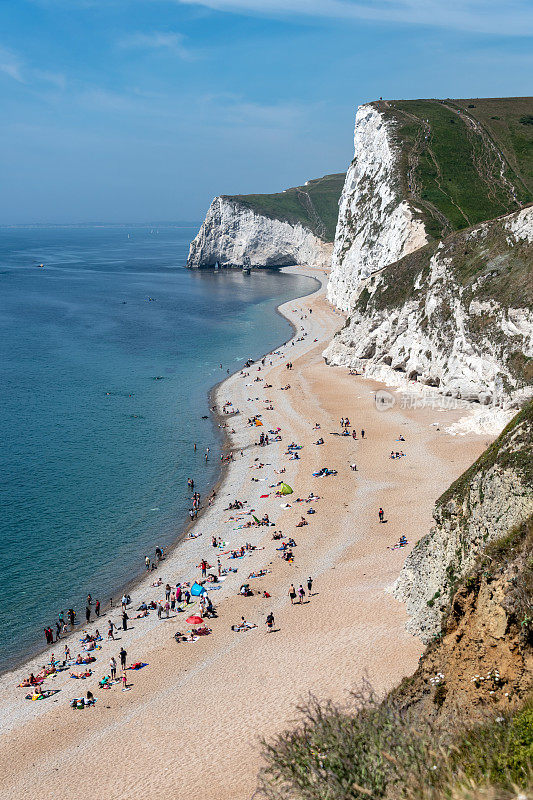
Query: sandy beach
<point x="193" y="717"/>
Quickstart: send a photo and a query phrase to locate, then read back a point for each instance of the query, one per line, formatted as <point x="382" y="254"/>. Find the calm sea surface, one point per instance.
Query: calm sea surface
<point x="106" y="356"/>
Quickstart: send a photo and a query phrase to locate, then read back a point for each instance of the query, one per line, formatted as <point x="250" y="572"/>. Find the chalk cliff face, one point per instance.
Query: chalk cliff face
<point x="494" y="496"/>
<point x="376" y="225"/>
<point x="456" y="315"/>
<point x="235" y="235"/>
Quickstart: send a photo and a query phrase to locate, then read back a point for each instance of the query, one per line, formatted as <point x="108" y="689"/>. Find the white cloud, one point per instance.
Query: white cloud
<point x="11" y="65"/>
<point x="504" y="17"/>
<point x="157" y="40"/>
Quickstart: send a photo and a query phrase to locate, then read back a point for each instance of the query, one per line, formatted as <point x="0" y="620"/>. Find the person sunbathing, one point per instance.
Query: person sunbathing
<point x="243" y="625"/>
<point x="320" y="441"/>
<point x="302" y="522"/>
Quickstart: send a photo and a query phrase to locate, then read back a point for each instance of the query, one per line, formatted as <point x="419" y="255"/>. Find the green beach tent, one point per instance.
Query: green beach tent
<point x="285" y="489"/>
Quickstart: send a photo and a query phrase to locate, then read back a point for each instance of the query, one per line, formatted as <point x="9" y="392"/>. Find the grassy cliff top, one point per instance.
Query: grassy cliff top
<point x="315" y="205"/>
<point x="464" y="161"/>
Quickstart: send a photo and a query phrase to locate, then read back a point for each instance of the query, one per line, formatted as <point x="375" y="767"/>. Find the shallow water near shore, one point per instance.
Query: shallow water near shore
<point x="108" y="353"/>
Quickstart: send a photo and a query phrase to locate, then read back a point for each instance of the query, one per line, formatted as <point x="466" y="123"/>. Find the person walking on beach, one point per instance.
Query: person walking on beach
<point x="203" y="566"/>
<point x="381" y="515"/>
<point x="147" y="562"/>
<point x="270" y="622"/>
<point x="159" y="610"/>
<point x="122" y="655"/>
<point x="113" y="667"/>
<point x="88" y="613"/>
<point x="97" y="608"/>
<point x="292" y="594"/>
<point x="362" y="434"/>
<point x="219" y="567"/>
<point x="309" y="586"/>
<point x="301" y="594"/>
<point x="125" y="619"/>
<point x="110" y="634"/>
<point x="67" y="653"/>
<point x="89" y="600"/>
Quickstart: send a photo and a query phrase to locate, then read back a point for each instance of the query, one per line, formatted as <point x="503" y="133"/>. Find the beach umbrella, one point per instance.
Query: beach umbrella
<point x="197" y="589"/>
<point x="285" y="488"/>
<point x="258" y="422"/>
<point x="194" y="620"/>
<point x="257" y="520"/>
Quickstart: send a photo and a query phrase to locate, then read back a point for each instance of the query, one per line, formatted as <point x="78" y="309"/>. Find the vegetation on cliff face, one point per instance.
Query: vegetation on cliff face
<point x="513" y="449"/>
<point x="463" y="161"/>
<point x="315" y="205"/>
<point x="460" y="728"/>
<point x="475" y="286"/>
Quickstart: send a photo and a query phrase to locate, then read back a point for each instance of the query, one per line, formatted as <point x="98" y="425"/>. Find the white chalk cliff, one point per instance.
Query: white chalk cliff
<point x="376" y="225"/>
<point x="234" y="235"/>
<point x="452" y="316"/>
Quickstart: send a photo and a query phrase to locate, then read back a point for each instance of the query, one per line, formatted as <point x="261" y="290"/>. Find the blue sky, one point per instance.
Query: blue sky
<point x="143" y="110"/>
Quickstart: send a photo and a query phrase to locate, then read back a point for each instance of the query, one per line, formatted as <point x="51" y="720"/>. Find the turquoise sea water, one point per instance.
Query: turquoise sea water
<point x="95" y="452"/>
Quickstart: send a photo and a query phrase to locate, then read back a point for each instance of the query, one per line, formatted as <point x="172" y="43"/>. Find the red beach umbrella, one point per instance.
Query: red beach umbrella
<point x="194" y="620"/>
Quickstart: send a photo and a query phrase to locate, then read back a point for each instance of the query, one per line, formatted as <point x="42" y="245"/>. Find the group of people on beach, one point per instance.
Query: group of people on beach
<point x="177" y="596"/>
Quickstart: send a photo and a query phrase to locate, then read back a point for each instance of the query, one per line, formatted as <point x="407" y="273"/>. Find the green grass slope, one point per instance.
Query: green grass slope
<point x="464" y="161"/>
<point x="315" y="205"/>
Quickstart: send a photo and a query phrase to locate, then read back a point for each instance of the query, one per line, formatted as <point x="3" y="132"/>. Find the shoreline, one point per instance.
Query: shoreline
<point x="184" y="527"/>
<point x="231" y="688"/>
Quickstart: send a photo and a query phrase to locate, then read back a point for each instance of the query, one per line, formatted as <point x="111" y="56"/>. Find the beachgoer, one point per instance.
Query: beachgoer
<point x="270" y="622"/>
<point x="113" y="667"/>
<point x="88" y="613"/>
<point x="381" y="515"/>
<point x="309" y="585"/>
<point x="362" y="434"/>
<point x="97" y="608"/>
<point x="147" y="562"/>
<point x="301" y="594"/>
<point x="123" y="654"/>
<point x="292" y="594"/>
<point x="125" y="619"/>
<point x="110" y="634"/>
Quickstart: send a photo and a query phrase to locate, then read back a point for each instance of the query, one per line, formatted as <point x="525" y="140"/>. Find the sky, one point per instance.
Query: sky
<point x="144" y="110"/>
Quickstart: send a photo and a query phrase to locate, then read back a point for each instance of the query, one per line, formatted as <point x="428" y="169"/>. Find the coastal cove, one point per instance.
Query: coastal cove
<point x="103" y="396"/>
<point x="348" y="627"/>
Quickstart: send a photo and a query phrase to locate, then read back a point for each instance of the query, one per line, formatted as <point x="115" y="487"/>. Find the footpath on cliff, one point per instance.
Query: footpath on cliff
<point x="193" y="717"/>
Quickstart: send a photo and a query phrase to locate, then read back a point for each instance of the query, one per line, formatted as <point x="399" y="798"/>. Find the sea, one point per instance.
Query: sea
<point x="107" y="355"/>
